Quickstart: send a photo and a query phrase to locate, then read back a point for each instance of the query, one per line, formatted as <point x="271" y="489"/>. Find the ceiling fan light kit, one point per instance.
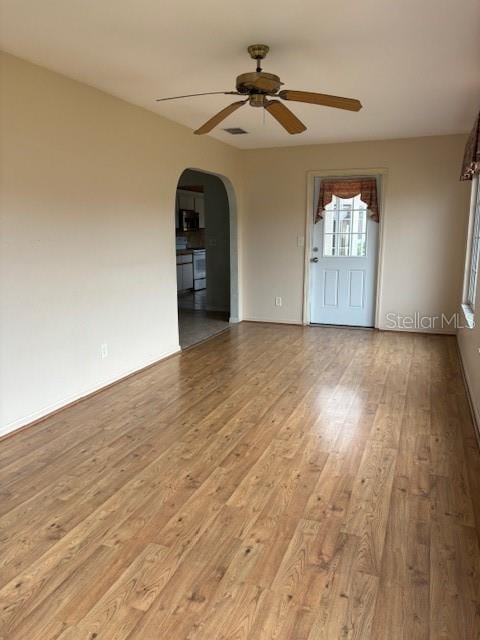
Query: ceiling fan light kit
<point x="258" y="86"/>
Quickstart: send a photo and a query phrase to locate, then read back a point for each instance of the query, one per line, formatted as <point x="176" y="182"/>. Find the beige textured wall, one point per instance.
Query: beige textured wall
<point x="424" y="222"/>
<point x="88" y="236"/>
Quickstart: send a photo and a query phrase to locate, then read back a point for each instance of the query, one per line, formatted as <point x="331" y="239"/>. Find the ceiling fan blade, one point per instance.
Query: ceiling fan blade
<point x="285" y="117"/>
<point x="192" y="95"/>
<point x="217" y="118"/>
<point x="321" y="98"/>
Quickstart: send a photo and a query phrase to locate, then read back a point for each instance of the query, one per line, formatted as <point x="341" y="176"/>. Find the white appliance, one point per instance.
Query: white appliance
<point x="181" y="243"/>
<point x="199" y="269"/>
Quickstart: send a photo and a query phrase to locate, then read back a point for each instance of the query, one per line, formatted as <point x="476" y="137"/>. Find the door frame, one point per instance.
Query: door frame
<point x="382" y="173"/>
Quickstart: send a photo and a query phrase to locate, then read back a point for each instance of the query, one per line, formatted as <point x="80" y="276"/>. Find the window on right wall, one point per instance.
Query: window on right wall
<point x="473" y="253"/>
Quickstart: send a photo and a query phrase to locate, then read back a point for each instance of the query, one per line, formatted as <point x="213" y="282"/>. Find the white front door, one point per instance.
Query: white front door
<point x="343" y="265"/>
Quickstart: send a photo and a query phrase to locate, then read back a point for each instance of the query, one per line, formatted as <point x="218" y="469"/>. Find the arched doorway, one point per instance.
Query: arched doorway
<point x="205" y="230"/>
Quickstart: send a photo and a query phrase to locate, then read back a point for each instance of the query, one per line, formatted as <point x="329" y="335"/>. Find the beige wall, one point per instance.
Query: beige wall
<point x="88" y="253"/>
<point x="424" y="221"/>
<point x="88" y="236"/>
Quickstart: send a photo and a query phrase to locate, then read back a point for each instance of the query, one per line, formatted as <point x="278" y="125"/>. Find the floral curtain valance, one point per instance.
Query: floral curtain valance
<point x="348" y="188"/>
<point x="471" y="157"/>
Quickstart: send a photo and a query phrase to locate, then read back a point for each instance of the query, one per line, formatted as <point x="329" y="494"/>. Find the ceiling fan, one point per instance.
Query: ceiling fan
<point x="258" y="86"/>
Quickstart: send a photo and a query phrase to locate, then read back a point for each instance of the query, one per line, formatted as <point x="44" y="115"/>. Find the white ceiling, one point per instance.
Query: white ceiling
<point x="414" y="64"/>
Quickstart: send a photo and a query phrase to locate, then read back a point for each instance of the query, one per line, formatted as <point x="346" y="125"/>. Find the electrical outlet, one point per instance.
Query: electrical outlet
<point x="104" y="350"/>
<point x="278" y="301"/>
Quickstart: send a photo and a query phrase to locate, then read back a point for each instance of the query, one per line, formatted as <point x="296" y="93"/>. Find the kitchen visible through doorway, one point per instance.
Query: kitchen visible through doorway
<point x="202" y="232"/>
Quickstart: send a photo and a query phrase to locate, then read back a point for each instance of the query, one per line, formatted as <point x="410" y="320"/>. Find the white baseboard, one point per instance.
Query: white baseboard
<point x="64" y="402"/>
<point x="381" y="328"/>
<point x="272" y="320"/>
<point x="434" y="332"/>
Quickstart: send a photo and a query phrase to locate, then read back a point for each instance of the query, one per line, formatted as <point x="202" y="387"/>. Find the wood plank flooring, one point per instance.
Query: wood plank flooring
<point x="275" y="482"/>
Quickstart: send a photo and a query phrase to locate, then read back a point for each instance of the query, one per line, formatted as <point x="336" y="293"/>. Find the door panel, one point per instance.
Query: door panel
<point x="330" y="287"/>
<point x="343" y="270"/>
<point x="357" y="288"/>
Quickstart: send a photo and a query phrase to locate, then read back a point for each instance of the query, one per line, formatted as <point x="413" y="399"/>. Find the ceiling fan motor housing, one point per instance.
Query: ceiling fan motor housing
<point x="258" y="82"/>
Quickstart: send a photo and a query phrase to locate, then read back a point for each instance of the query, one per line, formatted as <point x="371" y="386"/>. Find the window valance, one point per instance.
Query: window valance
<point x="348" y="188"/>
<point x="471" y="157"/>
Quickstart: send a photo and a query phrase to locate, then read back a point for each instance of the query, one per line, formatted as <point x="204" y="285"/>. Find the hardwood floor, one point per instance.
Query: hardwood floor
<point x="274" y="482"/>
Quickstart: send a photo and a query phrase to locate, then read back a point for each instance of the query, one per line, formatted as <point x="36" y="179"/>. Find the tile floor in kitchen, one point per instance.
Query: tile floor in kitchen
<point x="195" y="323"/>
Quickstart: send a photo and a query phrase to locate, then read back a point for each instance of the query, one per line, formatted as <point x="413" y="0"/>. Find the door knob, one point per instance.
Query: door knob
<point x="315" y="259"/>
